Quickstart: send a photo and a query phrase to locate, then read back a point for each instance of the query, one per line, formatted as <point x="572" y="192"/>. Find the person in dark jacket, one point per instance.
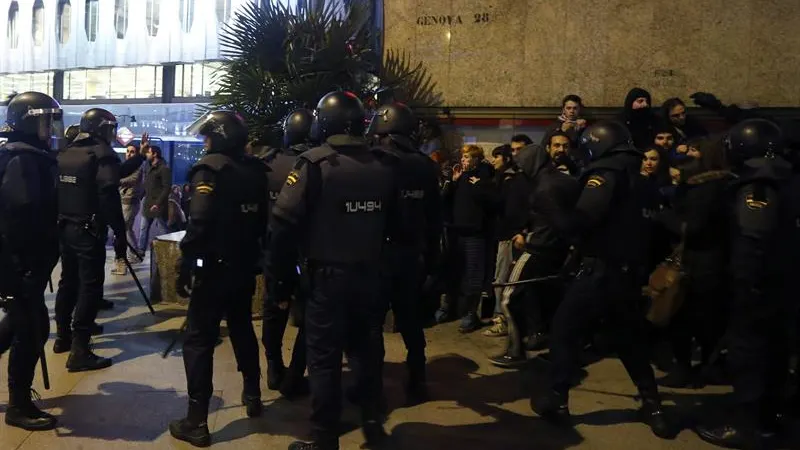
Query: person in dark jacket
<point x="638" y="116"/>
<point x="155" y="208"/>
<point x="471" y="195"/>
<point x="572" y="123"/>
<point x="701" y="204"/>
<point x="511" y="220"/>
<point x="545" y="250"/>
<point x="684" y="127"/>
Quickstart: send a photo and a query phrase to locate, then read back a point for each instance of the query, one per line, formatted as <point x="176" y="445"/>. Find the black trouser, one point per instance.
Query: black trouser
<point x="527" y="306"/>
<point x="345" y="310"/>
<point x="403" y="278"/>
<point x="758" y="349"/>
<point x="274" y="327"/>
<point x="601" y="291"/>
<point x="472" y="251"/>
<point x="25" y="329"/>
<point x="702" y="316"/>
<point x="83" y="259"/>
<point x="219" y="290"/>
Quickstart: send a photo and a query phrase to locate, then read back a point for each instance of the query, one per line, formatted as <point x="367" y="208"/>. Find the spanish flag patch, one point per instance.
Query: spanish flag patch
<point x="204" y="188"/>
<point x="292" y="178"/>
<point x="595" y="181"/>
<point x="754" y="204"/>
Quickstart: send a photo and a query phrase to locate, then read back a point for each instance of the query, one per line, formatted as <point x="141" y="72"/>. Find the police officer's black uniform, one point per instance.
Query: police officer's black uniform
<point x="222" y="249"/>
<point x="277" y="304"/>
<point x="342" y="228"/>
<point x="763" y="248"/>
<point x="413" y="248"/>
<point x="28" y="244"/>
<point x="611" y="224"/>
<point x="88" y="203"/>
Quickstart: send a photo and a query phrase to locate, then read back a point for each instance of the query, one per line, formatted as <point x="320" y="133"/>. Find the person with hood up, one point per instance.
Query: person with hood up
<point x="684" y="127"/>
<point x="545" y="250"/>
<point x="471" y="195"/>
<point x="638" y="116"/>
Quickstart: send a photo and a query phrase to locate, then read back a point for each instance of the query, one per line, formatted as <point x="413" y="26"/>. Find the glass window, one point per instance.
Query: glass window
<point x="186" y="12"/>
<point x="98" y="83"/>
<point x="223" y="10"/>
<point x="37" y="25"/>
<point x="75" y="84"/>
<point x="13" y="19"/>
<point x="197" y="80"/>
<point x="22" y="82"/>
<point x="153" y="16"/>
<point x="123" y="82"/>
<point x="63" y="21"/>
<point x="148" y="81"/>
<point x="121" y="18"/>
<point x="92" y="19"/>
<point x="114" y="83"/>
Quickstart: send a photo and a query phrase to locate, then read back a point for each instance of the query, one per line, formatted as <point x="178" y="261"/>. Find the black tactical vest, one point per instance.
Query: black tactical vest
<point x="241" y="202"/>
<point x="415" y="173"/>
<point x="349" y="214"/>
<point x="78" y="196"/>
<point x="280" y="163"/>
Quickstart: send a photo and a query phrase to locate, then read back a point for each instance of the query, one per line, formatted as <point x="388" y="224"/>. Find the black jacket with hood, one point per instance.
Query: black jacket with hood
<point x="552" y="193"/>
<point x="472" y="199"/>
<point x="512" y="194"/>
<point x="640" y="122"/>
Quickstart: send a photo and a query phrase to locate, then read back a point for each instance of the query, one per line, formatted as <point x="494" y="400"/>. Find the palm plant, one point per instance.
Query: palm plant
<point x="278" y="58"/>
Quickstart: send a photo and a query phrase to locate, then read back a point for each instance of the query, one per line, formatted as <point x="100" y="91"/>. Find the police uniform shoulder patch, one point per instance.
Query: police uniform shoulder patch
<point x="204" y="188"/>
<point x="595" y="181"/>
<point x="292" y="178"/>
<point x="751" y="202"/>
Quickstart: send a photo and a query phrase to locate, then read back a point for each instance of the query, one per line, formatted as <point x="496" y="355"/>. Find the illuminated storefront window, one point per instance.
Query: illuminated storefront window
<point x="13" y="22"/>
<point x="37" y="24"/>
<point x="92" y="19"/>
<point x="197" y="80"/>
<point x="153" y="16"/>
<point x="23" y="82"/>
<point x="63" y="21"/>
<point x="142" y="82"/>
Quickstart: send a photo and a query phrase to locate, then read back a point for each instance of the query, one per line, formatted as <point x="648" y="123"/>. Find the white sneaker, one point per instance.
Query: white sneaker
<point x="119" y="268"/>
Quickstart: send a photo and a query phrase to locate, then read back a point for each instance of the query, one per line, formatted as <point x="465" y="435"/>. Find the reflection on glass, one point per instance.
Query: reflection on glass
<point x="42" y="82"/>
<point x="22" y="82"/>
<point x="75" y="84"/>
<point x="13" y="18"/>
<point x="146" y="81"/>
<point x="37" y="25"/>
<point x="63" y="21"/>
<point x="153" y="16"/>
<point x="186" y="13"/>
<point x="98" y="83"/>
<point x="92" y="19"/>
<point x="123" y="82"/>
<point x="121" y="17"/>
<point x="197" y="80"/>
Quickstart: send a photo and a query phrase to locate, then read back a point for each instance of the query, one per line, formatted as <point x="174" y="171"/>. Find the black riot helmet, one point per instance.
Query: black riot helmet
<point x="225" y="131"/>
<point x="339" y="112"/>
<point x="99" y="123"/>
<point x="71" y="133"/>
<point x="35" y="115"/>
<point x="394" y="118"/>
<point x="297" y="127"/>
<point x="753" y="138"/>
<point x="605" y="136"/>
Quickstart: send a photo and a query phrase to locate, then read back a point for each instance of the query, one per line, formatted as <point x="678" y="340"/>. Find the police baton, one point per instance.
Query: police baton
<point x="174" y="341"/>
<point x="136" y="279"/>
<point x="50" y="283"/>
<point x="529" y="281"/>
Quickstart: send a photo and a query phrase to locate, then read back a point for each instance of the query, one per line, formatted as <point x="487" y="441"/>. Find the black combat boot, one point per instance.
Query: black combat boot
<point x="374" y="435"/>
<point x="194" y="428"/>
<point x="22" y="413"/>
<point x="417" y="387"/>
<point x="681" y="376"/>
<point x="275" y="373"/>
<point x="81" y="358"/>
<point x="739" y="430"/>
<point x="105" y="305"/>
<point x="63" y="342"/>
<point x="553" y="407"/>
<point x="251" y="396"/>
<point x="652" y="414"/>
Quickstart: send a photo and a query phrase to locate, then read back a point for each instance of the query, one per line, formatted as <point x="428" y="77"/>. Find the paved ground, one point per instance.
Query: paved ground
<point x="475" y="406"/>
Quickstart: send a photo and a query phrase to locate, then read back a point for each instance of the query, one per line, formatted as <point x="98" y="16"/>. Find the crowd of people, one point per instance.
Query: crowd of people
<point x="558" y="242"/>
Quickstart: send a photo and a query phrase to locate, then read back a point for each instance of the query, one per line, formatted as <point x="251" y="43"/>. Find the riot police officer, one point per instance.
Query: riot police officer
<point x="342" y="229"/>
<point x="412" y="250"/>
<point x="222" y="249"/>
<point x="71" y="133"/>
<point x="612" y="228"/>
<point x="88" y="203"/>
<point x="296" y="134"/>
<point x="763" y="248"/>
<point x="28" y="244"/>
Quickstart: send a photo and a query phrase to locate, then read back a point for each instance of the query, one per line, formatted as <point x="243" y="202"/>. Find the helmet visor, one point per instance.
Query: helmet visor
<point x="49" y="126"/>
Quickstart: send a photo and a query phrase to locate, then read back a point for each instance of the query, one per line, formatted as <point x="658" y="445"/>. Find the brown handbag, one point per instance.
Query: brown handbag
<point x="666" y="287"/>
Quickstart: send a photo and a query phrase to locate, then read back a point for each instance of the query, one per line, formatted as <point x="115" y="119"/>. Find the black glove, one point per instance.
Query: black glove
<point x="120" y="245"/>
<point x="183" y="284"/>
<point x="706" y="100"/>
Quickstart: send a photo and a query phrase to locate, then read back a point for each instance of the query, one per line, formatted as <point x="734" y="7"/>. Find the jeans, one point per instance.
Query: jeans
<point x="146" y="229"/>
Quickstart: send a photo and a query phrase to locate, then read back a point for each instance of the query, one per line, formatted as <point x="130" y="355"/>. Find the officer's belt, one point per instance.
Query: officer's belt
<point x="82" y="221"/>
<point x="602" y="263"/>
